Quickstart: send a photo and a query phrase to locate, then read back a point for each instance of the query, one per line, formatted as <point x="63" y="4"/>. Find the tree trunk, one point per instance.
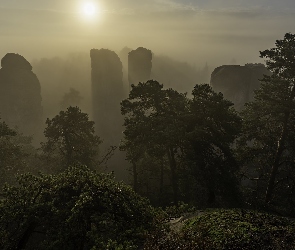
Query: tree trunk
<point x="161" y="177"/>
<point x="135" y="176"/>
<point x="69" y="150"/>
<point x="211" y="196"/>
<point x="26" y="236"/>
<point x="279" y="152"/>
<point x="172" y="164"/>
<point x="161" y="181"/>
<point x="276" y="163"/>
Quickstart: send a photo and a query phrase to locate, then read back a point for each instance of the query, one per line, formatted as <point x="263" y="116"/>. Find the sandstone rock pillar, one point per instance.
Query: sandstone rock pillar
<point x="139" y="65"/>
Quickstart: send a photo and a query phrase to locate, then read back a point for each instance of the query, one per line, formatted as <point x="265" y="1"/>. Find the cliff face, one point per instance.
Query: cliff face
<point x="20" y="95"/>
<point x="107" y="93"/>
<point x="237" y="83"/>
<point x="139" y="65"/>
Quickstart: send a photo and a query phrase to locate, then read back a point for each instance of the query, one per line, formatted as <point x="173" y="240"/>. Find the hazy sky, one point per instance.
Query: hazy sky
<point x="216" y="31"/>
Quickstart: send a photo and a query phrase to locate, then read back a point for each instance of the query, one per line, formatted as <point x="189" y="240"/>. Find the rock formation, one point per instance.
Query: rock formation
<point x="178" y="75"/>
<point x="107" y="93"/>
<point x="20" y="95"/>
<point x="139" y="65"/>
<point x="237" y="83"/>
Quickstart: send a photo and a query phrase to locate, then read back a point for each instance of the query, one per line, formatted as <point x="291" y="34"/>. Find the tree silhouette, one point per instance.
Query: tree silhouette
<point x="75" y="209"/>
<point x="71" y="138"/>
<point x="193" y="137"/>
<point x="72" y="98"/>
<point x="270" y="120"/>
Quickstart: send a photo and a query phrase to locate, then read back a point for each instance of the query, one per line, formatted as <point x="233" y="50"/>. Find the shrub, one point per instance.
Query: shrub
<point x="76" y="209"/>
<point x="228" y="229"/>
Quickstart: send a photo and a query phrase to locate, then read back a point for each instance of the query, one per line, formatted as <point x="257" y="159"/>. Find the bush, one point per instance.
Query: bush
<point x="228" y="229"/>
<point x="76" y="209"/>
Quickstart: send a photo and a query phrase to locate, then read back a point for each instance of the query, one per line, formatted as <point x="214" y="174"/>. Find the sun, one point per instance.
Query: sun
<point x="90" y="9"/>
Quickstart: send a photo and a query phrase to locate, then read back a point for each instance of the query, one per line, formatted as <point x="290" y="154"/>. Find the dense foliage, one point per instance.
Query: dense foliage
<point x="228" y="229"/>
<point x="213" y="126"/>
<point x="15" y="150"/>
<point x="267" y="144"/>
<point x="71" y="139"/>
<point x="76" y="209"/>
<point x="154" y="133"/>
<point x="180" y="143"/>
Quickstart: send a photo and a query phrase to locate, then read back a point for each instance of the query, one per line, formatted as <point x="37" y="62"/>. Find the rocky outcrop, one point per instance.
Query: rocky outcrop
<point x="20" y="95"/>
<point x="107" y="93"/>
<point x="139" y="65"/>
<point x="178" y="75"/>
<point x="237" y="83"/>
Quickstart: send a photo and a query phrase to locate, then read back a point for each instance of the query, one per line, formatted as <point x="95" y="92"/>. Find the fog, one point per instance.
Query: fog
<point x="188" y="39"/>
<point x="58" y="75"/>
<point x="213" y="31"/>
<point x="56" y="38"/>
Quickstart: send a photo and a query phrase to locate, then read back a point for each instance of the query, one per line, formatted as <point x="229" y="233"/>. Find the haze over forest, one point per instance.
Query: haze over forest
<point x="212" y="31"/>
<point x="56" y="37"/>
<point x="188" y="39"/>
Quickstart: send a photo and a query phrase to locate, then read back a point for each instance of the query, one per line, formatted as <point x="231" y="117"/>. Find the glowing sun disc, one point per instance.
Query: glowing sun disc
<point x="89" y="9"/>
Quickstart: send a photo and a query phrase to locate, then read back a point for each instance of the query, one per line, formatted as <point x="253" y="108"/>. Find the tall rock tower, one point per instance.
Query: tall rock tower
<point x="139" y="65"/>
<point x="107" y="93"/>
<point x="20" y="95"/>
<point x="237" y="83"/>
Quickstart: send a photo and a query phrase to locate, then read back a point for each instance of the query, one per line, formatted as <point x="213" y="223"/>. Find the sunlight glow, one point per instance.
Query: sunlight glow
<point x="90" y="10"/>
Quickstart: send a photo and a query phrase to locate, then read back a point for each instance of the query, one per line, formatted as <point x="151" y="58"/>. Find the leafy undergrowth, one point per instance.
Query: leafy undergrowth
<point x="76" y="209"/>
<point x="228" y="229"/>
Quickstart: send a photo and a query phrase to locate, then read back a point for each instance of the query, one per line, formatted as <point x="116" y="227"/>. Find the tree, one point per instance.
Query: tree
<point x="72" y="98"/>
<point x="71" y="138"/>
<point x="14" y="152"/>
<point x="213" y="126"/>
<point x="153" y="128"/>
<point x="270" y="120"/>
<point x="192" y="137"/>
<point x="5" y="130"/>
<point x="76" y="209"/>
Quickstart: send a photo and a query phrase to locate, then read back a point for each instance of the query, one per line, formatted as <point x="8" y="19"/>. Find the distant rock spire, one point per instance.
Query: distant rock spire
<point x="107" y="93"/>
<point x="237" y="83"/>
<point x="20" y="95"/>
<point x="139" y="65"/>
